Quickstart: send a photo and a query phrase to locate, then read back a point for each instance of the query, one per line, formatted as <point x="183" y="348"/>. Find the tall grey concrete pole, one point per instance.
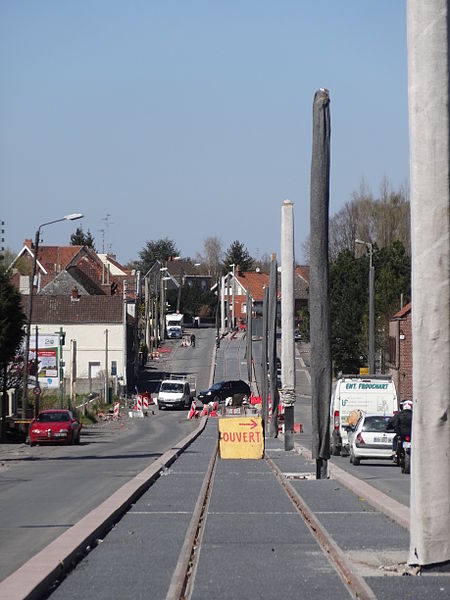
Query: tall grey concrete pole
<point x="125" y="337"/>
<point x="249" y="337"/>
<point x="264" y="385"/>
<point x="319" y="290"/>
<point x="232" y="298"/>
<point x="429" y="127"/>
<point x="287" y="391"/>
<point x="222" y="306"/>
<point x="272" y="346"/>
<point x="228" y="302"/>
<point x="371" y="315"/>
<point x="147" y="310"/>
<point x="106" y="367"/>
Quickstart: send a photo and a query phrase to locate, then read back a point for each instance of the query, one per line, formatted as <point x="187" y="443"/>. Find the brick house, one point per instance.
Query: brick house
<point x="400" y="352"/>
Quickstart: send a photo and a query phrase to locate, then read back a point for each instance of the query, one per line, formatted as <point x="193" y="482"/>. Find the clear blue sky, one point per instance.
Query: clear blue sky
<point x="189" y="118"/>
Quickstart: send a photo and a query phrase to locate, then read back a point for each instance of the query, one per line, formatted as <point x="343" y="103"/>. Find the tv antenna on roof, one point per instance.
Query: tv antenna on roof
<point x="107" y="222"/>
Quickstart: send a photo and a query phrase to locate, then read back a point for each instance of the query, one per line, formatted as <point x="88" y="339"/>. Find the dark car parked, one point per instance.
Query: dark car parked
<point x="221" y="390"/>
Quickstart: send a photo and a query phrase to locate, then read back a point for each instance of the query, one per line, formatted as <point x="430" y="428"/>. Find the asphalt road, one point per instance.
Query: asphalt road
<point x="46" y="489"/>
<point x="381" y="474"/>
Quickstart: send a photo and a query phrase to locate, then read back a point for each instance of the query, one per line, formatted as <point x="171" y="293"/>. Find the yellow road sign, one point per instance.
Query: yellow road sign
<point x="241" y="437"/>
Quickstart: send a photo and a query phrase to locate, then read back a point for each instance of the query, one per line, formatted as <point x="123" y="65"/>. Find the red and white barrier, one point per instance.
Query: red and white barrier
<point x="145" y="402"/>
<point x="205" y="411"/>
<point x="116" y="411"/>
<point x="139" y="404"/>
<point x="192" y="411"/>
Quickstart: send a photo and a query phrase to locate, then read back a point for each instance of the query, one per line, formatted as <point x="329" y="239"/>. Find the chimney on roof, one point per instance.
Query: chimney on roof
<point x="28" y="244"/>
<point x="75" y="294"/>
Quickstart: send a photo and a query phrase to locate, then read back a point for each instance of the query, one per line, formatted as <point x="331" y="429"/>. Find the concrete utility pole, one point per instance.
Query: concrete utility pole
<point x="272" y="346"/>
<point x="232" y="297"/>
<point x="125" y="348"/>
<point x="287" y="391"/>
<point x="319" y="290"/>
<point x="106" y="367"/>
<point x="228" y="302"/>
<point x="371" y="361"/>
<point x="147" y="311"/>
<point x="264" y="386"/>
<point x="249" y="337"/>
<point x="429" y="127"/>
<point x="222" y="306"/>
<point x="73" y="374"/>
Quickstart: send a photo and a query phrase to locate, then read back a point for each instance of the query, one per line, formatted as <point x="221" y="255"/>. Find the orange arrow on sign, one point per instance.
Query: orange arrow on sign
<point x="252" y="425"/>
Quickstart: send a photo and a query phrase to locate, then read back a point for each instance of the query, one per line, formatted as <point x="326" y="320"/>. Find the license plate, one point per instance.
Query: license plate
<point x="407" y="445"/>
<point x="381" y="440"/>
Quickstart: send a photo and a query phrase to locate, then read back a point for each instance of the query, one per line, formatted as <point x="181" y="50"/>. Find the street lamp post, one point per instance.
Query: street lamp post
<point x="371" y="307"/>
<point x="162" y="299"/>
<point x="71" y="217"/>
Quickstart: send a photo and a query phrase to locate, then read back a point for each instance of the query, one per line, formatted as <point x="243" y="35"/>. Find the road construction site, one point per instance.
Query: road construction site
<point x="195" y="525"/>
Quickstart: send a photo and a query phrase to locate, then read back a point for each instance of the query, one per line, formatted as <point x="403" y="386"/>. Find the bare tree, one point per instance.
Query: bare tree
<point x="212" y="248"/>
<point x="382" y="220"/>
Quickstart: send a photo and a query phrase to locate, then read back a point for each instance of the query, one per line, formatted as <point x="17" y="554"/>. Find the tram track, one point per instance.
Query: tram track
<point x="183" y="579"/>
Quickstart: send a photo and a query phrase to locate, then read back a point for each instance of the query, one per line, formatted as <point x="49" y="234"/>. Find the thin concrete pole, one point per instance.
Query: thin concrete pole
<point x="371" y="316"/>
<point x="249" y="337"/>
<point x="106" y="367"/>
<point x="228" y="302"/>
<point x="147" y="310"/>
<point x="272" y="346"/>
<point x="73" y="374"/>
<point x="232" y="298"/>
<point x="264" y="358"/>
<point x="287" y="391"/>
<point x="125" y="348"/>
<point x="222" y="306"/>
<point x="429" y="126"/>
<point x="319" y="294"/>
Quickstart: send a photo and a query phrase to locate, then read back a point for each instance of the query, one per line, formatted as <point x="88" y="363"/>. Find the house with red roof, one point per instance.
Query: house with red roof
<point x="83" y="294"/>
<point x="255" y="282"/>
<point x="400" y="352"/>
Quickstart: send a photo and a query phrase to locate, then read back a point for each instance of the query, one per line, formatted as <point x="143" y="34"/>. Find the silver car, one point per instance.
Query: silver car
<point x="369" y="439"/>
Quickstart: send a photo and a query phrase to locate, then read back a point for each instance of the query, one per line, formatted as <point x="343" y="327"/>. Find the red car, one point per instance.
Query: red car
<point x="57" y="425"/>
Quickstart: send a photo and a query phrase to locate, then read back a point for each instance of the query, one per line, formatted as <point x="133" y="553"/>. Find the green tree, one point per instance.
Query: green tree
<point x="12" y="320"/>
<point x="238" y="255"/>
<point x="79" y="238"/>
<point x="349" y="299"/>
<point x="154" y="250"/>
<point x="392" y="283"/>
<point x="194" y="301"/>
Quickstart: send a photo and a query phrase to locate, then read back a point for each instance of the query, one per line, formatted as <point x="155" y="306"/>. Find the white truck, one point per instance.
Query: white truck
<point x="374" y="395"/>
<point x="176" y="392"/>
<point x="174" y="325"/>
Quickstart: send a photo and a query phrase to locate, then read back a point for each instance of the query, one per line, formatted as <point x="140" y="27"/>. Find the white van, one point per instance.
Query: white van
<point x="374" y="395"/>
<point x="176" y="392"/>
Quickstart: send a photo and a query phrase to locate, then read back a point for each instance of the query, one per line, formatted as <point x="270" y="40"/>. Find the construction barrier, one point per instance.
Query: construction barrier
<point x="116" y="410"/>
<point x="193" y="414"/>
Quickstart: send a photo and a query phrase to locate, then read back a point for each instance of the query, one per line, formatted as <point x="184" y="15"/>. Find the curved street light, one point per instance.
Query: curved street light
<point x="371" y="306"/>
<point x="71" y="217"/>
